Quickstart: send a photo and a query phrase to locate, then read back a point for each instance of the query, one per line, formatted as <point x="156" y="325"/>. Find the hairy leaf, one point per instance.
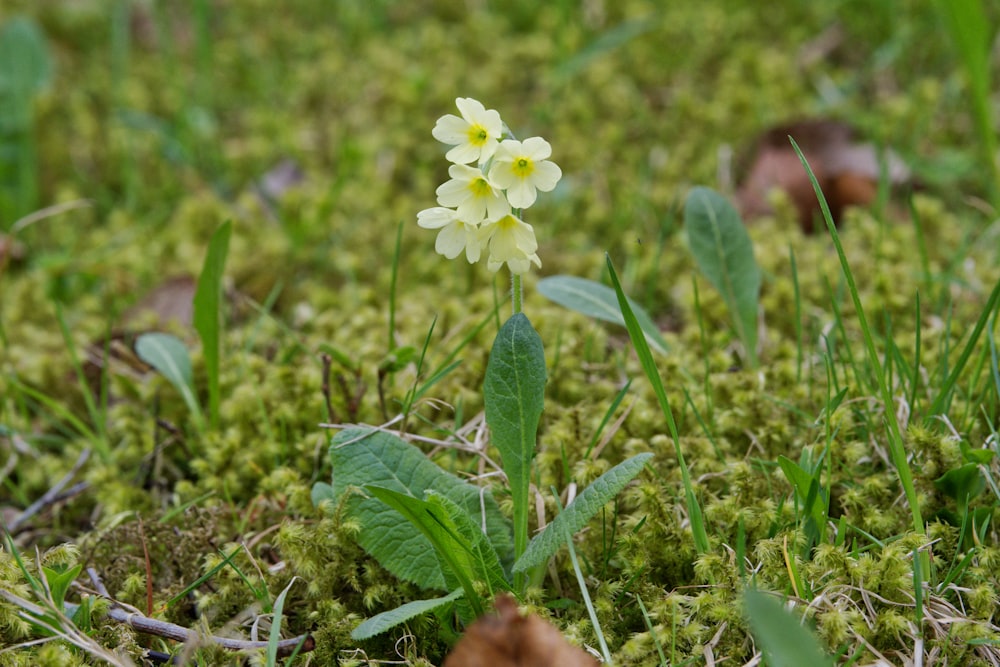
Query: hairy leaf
<point x="595" y="300"/>
<point x="579" y="512"/>
<point x="513" y="393"/>
<point x="363" y="456"/>
<point x="724" y="253"/>
<point x="387" y="620"/>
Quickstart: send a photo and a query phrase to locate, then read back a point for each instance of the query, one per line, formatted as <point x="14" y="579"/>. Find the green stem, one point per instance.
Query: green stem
<point x="516" y="292"/>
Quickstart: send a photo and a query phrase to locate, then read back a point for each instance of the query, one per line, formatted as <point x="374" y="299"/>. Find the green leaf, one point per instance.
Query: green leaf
<point x="378" y="624"/>
<point x="810" y="494"/>
<point x="724" y="253"/>
<point x="513" y="393"/>
<point x="208" y="312"/>
<point x="275" y="637"/>
<point x="962" y="483"/>
<point x="595" y="300"/>
<point x="579" y="512"/>
<point x="364" y="456"/>
<point x="785" y="642"/>
<point x="167" y="354"/>
<point x="453" y="550"/>
<point x="59" y="580"/>
<point x="25" y="68"/>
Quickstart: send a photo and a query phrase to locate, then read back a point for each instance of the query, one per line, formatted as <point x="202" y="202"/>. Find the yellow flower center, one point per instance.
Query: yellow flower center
<point x="523" y="167"/>
<point x="480" y="188"/>
<point x="507" y="222"/>
<point x="478" y="135"/>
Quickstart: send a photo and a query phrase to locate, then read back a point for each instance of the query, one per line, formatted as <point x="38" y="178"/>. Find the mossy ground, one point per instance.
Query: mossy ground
<point x="163" y="116"/>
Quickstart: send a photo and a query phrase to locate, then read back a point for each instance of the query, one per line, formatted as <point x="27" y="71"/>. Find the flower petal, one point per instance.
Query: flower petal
<point x="450" y="129"/>
<point x="536" y="148"/>
<point x="435" y="218"/>
<point x="451" y="240"/>
<point x="546" y="175"/>
<point x="520" y="194"/>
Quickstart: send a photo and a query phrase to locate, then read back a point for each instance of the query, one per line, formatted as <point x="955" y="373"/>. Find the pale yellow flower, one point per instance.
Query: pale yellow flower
<point x="474" y="135"/>
<point x="521" y="168"/>
<point x="455" y="236"/>
<point x="511" y="241"/>
<point x="472" y="193"/>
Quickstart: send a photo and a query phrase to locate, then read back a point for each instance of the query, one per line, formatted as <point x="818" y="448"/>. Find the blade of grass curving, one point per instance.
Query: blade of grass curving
<point x="652" y="632"/>
<point x="582" y="581"/>
<point x="275" y="637"/>
<point x="799" y="355"/>
<point x="619" y="397"/>
<point x="513" y="393"/>
<point x="724" y="253"/>
<point x="785" y="642"/>
<point x="387" y="620"/>
<point x="649" y="367"/>
<point x="208" y="313"/>
<point x="97" y="412"/>
<point x="595" y="300"/>
<point x="571" y="520"/>
<point x="896" y="449"/>
<point x="943" y="399"/>
<point x="167" y="354"/>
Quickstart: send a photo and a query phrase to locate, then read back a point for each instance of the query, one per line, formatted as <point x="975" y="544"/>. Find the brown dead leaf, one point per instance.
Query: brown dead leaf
<point x="846" y="168"/>
<point x="508" y="639"/>
<point x="172" y="301"/>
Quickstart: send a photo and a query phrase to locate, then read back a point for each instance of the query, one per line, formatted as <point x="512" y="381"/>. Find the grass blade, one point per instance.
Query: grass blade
<point x="649" y="367"/>
<point x="896" y="449"/>
<point x="208" y="313"/>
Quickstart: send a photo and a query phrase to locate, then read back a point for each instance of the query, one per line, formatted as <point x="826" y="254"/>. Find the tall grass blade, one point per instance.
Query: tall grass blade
<point x="895" y="438"/>
<point x="208" y="313"/>
<point x="649" y="367"/>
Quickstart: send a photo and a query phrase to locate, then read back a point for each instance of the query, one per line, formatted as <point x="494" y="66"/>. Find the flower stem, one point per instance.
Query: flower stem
<point x="516" y="292"/>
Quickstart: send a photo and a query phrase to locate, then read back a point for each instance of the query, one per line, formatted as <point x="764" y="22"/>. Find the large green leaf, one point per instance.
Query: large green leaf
<point x="208" y="312"/>
<point x="785" y="642"/>
<point x="724" y="254"/>
<point x="513" y="393"/>
<point x="365" y="456"/>
<point x="379" y="623"/>
<point x="579" y="512"/>
<point x="595" y="300"/>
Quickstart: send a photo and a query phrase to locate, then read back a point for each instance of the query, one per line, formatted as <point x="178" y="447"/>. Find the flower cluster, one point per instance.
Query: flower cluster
<point x="480" y="206"/>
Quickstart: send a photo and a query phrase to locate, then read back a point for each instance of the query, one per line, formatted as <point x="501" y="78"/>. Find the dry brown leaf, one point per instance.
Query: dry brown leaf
<point x="846" y="168"/>
<point x="508" y="639"/>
